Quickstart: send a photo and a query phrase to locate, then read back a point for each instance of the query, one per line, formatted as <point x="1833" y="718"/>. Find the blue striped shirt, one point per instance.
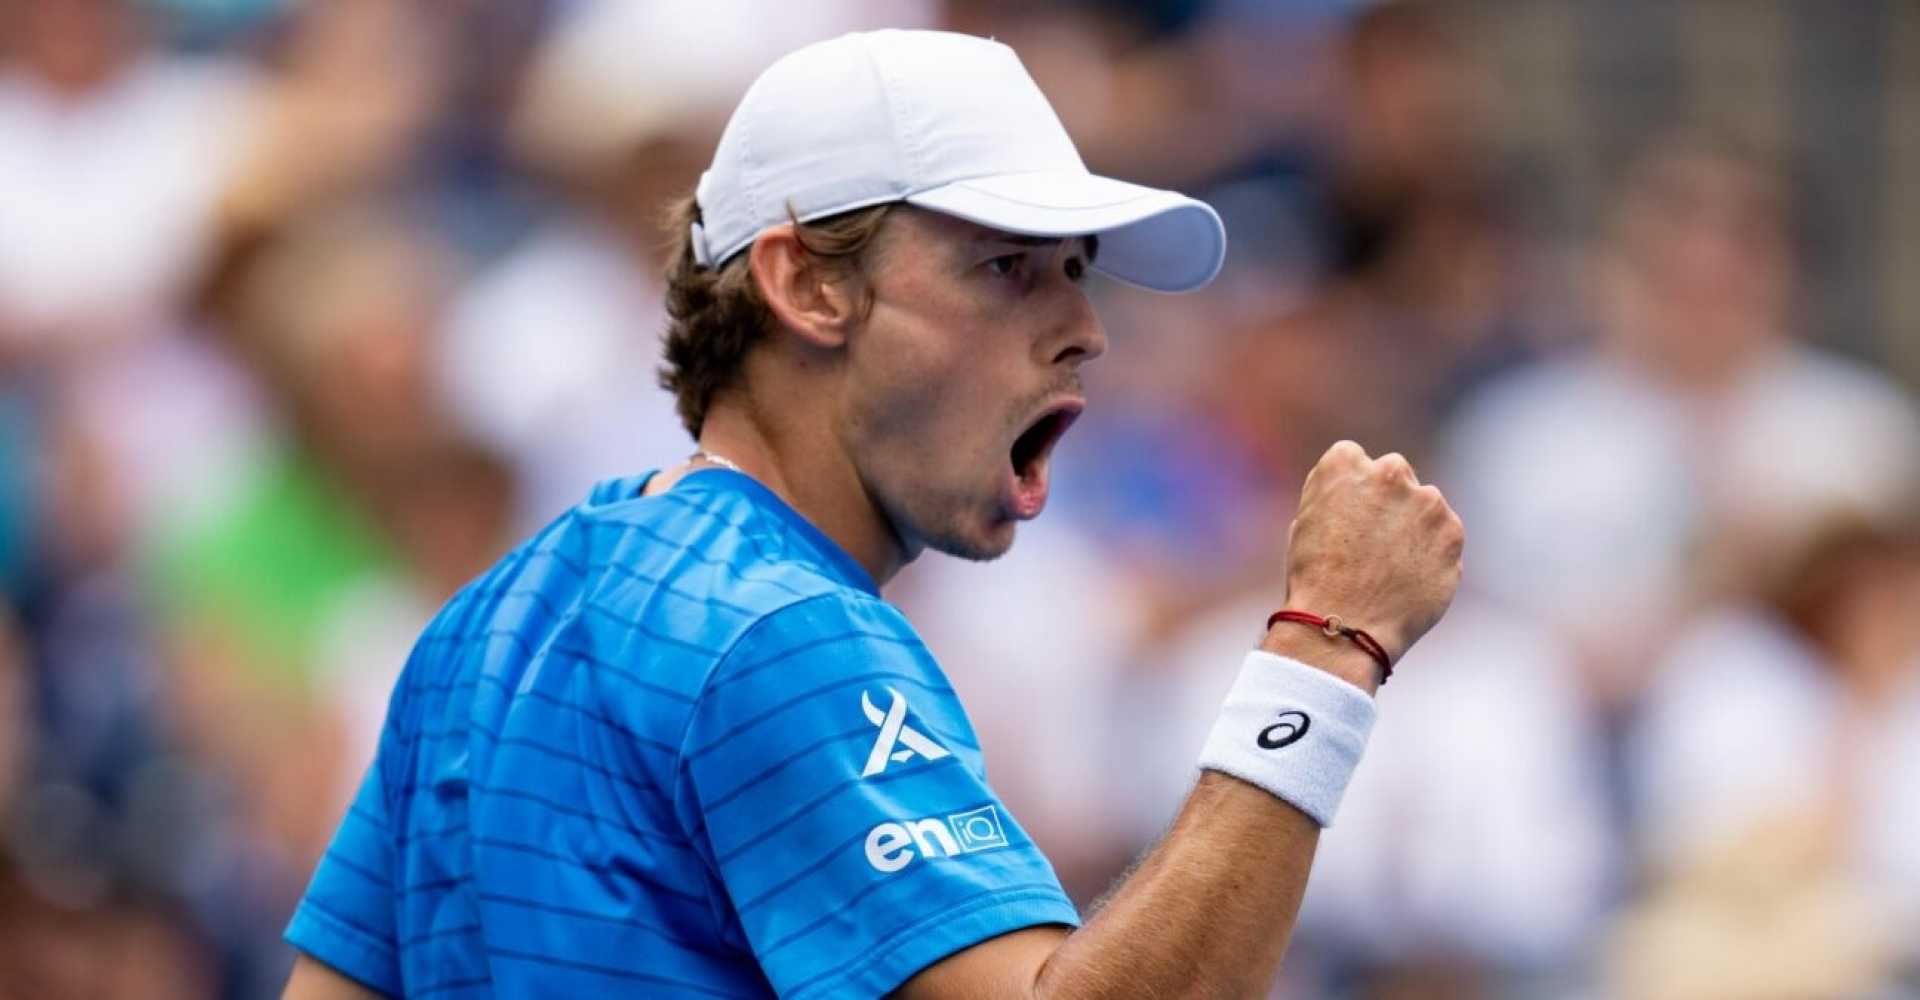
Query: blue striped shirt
<point x="673" y="745"/>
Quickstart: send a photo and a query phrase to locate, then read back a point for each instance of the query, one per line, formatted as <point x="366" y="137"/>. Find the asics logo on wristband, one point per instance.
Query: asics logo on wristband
<point x="1285" y="733"/>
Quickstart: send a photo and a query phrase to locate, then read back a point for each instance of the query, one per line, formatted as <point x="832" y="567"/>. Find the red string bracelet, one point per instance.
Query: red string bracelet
<point x="1331" y="625"/>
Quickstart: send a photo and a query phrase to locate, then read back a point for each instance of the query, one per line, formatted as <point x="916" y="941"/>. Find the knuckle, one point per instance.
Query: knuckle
<point x="1393" y="465"/>
<point x="1345" y="450"/>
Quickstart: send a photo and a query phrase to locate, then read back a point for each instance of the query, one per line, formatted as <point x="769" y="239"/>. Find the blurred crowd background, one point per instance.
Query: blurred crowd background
<point x="309" y="309"/>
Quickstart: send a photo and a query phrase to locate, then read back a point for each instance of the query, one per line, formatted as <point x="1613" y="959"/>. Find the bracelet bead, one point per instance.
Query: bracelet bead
<point x="1332" y="626"/>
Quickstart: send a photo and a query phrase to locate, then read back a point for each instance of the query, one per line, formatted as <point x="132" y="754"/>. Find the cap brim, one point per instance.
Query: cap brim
<point x="1156" y="239"/>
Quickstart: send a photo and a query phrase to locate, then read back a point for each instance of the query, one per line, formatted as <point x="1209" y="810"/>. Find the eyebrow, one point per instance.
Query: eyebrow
<point x="1092" y="241"/>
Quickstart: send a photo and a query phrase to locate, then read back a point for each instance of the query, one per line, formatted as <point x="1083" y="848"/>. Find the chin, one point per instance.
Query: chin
<point x="985" y="544"/>
<point x="956" y="523"/>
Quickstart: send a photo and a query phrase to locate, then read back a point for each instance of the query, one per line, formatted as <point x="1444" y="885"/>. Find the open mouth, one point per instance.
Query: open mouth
<point x="1030" y="450"/>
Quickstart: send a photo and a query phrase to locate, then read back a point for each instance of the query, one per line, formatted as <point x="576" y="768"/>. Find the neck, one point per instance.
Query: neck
<point x="802" y="463"/>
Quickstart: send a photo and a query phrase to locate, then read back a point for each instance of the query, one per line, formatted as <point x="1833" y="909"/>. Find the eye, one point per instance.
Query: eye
<point x="1076" y="269"/>
<point x="1007" y="266"/>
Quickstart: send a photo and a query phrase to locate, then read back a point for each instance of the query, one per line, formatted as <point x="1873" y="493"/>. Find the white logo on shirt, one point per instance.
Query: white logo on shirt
<point x="894" y="732"/>
<point x="893" y="846"/>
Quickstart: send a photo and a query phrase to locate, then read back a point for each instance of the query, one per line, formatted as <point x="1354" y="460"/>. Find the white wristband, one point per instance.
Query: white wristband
<point x="1293" y="730"/>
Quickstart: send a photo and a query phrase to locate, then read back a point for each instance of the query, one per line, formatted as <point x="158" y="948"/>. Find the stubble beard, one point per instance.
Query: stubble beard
<point x="943" y="528"/>
<point x="959" y="545"/>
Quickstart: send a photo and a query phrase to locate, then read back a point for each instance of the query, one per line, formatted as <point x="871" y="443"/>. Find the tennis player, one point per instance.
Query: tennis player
<point x="678" y="745"/>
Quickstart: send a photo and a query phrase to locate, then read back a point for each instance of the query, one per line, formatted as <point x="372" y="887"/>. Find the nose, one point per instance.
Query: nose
<point x="1079" y="337"/>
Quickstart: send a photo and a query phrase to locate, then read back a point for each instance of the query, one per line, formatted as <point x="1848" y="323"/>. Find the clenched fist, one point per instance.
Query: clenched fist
<point x="1373" y="546"/>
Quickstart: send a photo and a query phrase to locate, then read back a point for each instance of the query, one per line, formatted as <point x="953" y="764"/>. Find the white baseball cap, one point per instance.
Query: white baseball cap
<point x="948" y="122"/>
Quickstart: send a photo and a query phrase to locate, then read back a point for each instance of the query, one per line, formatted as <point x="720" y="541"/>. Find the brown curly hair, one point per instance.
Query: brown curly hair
<point x="715" y="316"/>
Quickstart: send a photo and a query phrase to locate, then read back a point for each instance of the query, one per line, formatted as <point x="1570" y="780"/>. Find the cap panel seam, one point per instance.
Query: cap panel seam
<point x="747" y="184"/>
<point x="904" y="144"/>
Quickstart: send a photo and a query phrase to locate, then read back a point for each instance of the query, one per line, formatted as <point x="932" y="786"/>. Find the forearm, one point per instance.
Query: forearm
<point x="1210" y="910"/>
<point x="1208" y="913"/>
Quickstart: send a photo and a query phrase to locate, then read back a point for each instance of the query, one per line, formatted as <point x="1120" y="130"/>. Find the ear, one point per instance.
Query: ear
<point x="815" y="301"/>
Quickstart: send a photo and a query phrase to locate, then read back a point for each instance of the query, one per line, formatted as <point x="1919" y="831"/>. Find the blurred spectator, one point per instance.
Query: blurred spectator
<point x="106" y="215"/>
<point x="311" y="581"/>
<point x="287" y="602"/>
<point x="129" y="179"/>
<point x="1593" y="480"/>
<point x="550" y="354"/>
<point x="1425" y="282"/>
<point x="1777" y="769"/>
<point x="104" y="211"/>
<point x="97" y="855"/>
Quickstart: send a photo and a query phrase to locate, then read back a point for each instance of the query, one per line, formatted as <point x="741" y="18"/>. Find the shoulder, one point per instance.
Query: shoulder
<point x="839" y="662"/>
<point x="724" y="541"/>
<point x="700" y="568"/>
<point x="838" y="637"/>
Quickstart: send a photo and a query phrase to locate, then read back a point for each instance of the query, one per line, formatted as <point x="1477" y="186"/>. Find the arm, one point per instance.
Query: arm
<point x="1208" y="913"/>
<point x="344" y="926"/>
<point x="313" y="980"/>
<point x="1211" y="909"/>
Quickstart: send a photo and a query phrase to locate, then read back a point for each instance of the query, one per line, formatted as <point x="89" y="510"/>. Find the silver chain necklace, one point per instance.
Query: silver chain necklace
<point x="721" y="461"/>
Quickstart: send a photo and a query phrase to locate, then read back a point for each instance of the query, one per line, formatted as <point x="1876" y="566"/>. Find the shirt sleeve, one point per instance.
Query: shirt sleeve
<point x="346" y="919"/>
<point x="845" y="807"/>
